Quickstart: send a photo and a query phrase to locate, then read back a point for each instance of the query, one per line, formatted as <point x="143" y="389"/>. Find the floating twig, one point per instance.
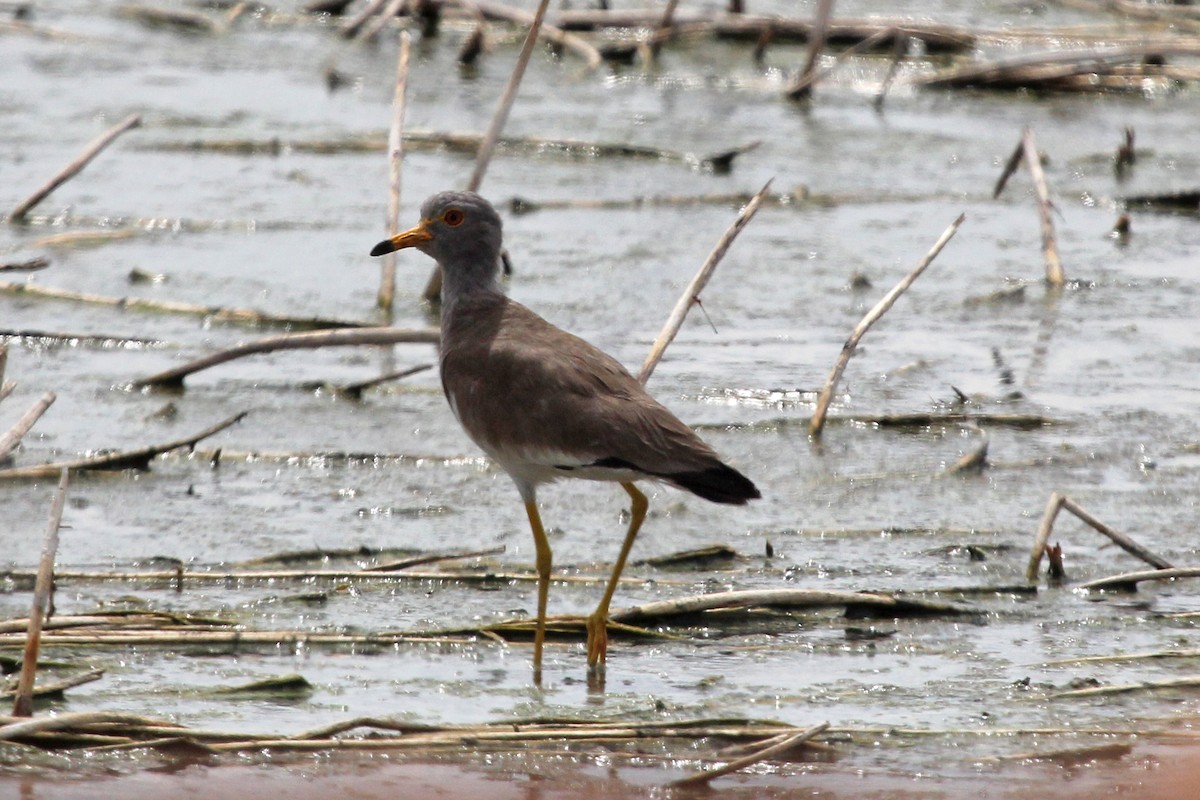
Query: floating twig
<point x="1188" y="682"/>
<point x="433" y="289"/>
<point x="1046" y="526"/>
<point x="29" y="265"/>
<point x="434" y="558"/>
<point x="10" y="440"/>
<point x="355" y="390"/>
<point x="1055" y="69"/>
<point x="42" y="602"/>
<point x="817" y="422"/>
<point x="70" y="170"/>
<point x="292" y="341"/>
<point x="691" y="294"/>
<point x="247" y="316"/>
<point x="787" y="744"/>
<point x="1130" y="580"/>
<point x="660" y="610"/>
<point x="119" y="459"/>
<point x="387" y="276"/>
<point x="1070" y="756"/>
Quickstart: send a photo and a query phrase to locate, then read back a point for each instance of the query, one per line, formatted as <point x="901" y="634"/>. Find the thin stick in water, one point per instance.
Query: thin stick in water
<point x="292" y="341"/>
<point x="75" y="167"/>
<point x="1057" y="502"/>
<point x="433" y="289"/>
<point x="702" y="778"/>
<point x="387" y="276"/>
<point x="1042" y="537"/>
<point x="817" y="423"/>
<point x="10" y="440"/>
<point x="23" y="704"/>
<point x="691" y="295"/>
<point x="387" y="15"/>
<point x="801" y="89"/>
<point x="1054" y="270"/>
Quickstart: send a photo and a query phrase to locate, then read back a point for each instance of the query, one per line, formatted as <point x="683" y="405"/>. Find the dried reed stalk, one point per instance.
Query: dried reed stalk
<point x="352" y="26"/>
<point x="236" y="315"/>
<point x="434" y="558"/>
<point x="387" y="276"/>
<point x="801" y="89"/>
<point x="118" y="459"/>
<point x="1187" y="682"/>
<point x="10" y="440"/>
<point x="72" y="169"/>
<point x="1132" y="579"/>
<point x="384" y="17"/>
<point x="691" y="295"/>
<point x="554" y="35"/>
<point x="433" y="289"/>
<point x="1046" y="526"/>
<point x="790" y="742"/>
<point x="42" y="603"/>
<point x="355" y="390"/>
<point x="780" y="598"/>
<point x="353" y="337"/>
<point x="1054" y="270"/>
<point x="817" y="423"/>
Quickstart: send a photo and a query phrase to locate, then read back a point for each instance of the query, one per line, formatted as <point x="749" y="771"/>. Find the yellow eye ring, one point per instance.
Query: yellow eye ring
<point x="453" y="217"/>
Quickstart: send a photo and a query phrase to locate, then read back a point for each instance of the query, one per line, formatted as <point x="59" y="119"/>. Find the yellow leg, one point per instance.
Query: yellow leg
<point x="544" y="558"/>
<point x="597" y="623"/>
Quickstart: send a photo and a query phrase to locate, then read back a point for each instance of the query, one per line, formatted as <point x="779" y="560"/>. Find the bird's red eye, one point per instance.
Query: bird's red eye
<point x="453" y="217"/>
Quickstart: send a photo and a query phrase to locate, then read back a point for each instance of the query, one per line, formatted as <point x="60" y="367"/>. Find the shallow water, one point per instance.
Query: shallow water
<point x="1108" y="359"/>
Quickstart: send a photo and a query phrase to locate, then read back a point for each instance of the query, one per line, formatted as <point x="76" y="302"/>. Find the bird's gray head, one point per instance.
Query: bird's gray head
<point x="461" y="231"/>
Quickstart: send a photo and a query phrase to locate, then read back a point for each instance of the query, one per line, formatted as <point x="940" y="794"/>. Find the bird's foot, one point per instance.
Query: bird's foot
<point x="597" y="640"/>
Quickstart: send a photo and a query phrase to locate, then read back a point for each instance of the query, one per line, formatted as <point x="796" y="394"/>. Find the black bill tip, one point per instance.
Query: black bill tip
<point x="383" y="248"/>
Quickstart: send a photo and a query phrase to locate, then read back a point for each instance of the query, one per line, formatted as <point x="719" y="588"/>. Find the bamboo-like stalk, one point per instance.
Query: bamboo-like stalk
<point x="817" y="423"/>
<point x="23" y="703"/>
<point x="387" y="277"/>
<point x="433" y="289"/>
<point x="352" y="337"/>
<point x="1054" y="269"/>
<point x="1121" y="540"/>
<point x="118" y="459"/>
<point x="691" y="295"/>
<point x="10" y="440"/>
<point x="1042" y="537"/>
<point x="1132" y="579"/>
<point x="801" y="89"/>
<point x="703" y="778"/>
<point x="1187" y="682"/>
<point x="72" y="169"/>
<point x="1046" y="526"/>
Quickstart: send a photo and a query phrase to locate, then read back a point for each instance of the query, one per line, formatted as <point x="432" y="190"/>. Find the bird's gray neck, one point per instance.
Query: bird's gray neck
<point x="461" y="287"/>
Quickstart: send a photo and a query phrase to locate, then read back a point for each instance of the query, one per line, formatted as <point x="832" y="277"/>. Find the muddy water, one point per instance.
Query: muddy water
<point x="1109" y="361"/>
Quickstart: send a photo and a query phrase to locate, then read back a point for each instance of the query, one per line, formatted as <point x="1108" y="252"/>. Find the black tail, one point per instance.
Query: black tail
<point x="720" y="484"/>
